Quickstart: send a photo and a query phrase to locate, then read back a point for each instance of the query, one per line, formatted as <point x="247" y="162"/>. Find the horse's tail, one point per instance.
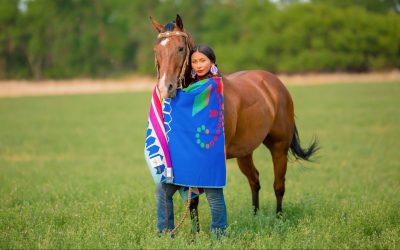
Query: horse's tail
<point x="299" y="152"/>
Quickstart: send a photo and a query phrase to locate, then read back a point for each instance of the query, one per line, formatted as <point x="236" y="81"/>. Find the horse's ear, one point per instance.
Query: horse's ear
<point x="158" y="26"/>
<point x="179" y="22"/>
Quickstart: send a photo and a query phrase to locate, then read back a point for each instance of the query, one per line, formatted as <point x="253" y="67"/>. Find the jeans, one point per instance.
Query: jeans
<point x="165" y="207"/>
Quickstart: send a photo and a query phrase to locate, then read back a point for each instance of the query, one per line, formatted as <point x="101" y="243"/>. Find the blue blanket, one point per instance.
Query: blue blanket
<point x="194" y="126"/>
<point x="185" y="142"/>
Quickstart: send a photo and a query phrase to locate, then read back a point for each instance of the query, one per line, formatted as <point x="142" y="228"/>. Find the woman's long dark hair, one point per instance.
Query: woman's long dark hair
<point x="207" y="51"/>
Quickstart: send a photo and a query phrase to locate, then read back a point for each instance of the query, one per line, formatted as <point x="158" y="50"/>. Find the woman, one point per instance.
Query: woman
<point x="203" y="63"/>
<point x="203" y="67"/>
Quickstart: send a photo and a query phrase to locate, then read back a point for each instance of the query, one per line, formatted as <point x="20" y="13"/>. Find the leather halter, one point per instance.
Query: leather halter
<point x="166" y="34"/>
<point x="171" y="33"/>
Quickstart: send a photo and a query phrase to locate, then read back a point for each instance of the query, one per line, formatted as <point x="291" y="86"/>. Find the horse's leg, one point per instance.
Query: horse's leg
<point x="279" y="151"/>
<point x="194" y="214"/>
<point x="247" y="167"/>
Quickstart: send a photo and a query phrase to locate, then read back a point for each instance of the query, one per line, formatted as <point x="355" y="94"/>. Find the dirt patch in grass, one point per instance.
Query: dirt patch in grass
<point x="12" y="88"/>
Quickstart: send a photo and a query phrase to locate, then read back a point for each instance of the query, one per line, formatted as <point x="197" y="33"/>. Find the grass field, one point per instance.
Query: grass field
<point x="72" y="175"/>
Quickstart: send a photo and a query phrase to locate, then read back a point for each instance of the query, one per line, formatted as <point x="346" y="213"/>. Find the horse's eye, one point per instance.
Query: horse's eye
<point x="180" y="49"/>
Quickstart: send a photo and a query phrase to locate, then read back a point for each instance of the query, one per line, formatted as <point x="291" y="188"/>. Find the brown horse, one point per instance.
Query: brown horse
<point x="258" y="110"/>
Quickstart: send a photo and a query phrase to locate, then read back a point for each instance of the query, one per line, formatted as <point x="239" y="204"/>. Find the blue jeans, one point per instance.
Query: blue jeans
<point x="165" y="207"/>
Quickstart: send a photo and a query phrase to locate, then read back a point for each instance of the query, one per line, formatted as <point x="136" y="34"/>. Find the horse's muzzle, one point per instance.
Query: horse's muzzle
<point x="169" y="92"/>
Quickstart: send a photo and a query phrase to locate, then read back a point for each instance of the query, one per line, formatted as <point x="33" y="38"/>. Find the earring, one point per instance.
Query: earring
<point x="214" y="69"/>
<point x="193" y="73"/>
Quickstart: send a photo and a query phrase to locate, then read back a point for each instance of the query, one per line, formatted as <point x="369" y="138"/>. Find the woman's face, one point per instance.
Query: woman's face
<point x="200" y="63"/>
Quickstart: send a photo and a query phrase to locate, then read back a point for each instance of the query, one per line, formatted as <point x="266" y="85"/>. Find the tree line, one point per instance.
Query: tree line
<point x="91" y="38"/>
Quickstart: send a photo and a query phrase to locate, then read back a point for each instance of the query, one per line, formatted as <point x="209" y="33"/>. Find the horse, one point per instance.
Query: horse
<point x="258" y="110"/>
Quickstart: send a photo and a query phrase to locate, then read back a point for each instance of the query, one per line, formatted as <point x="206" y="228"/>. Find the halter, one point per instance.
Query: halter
<point x="181" y="78"/>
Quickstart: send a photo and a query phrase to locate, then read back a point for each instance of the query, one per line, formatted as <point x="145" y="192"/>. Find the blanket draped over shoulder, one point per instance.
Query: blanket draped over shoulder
<point x="185" y="142"/>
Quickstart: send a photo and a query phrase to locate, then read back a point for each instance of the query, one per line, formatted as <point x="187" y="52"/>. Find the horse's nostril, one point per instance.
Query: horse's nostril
<point x="170" y="87"/>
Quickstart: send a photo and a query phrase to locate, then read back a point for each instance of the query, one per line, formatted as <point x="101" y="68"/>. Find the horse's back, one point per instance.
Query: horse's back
<point x="255" y="83"/>
<point x="255" y="101"/>
<point x="258" y="78"/>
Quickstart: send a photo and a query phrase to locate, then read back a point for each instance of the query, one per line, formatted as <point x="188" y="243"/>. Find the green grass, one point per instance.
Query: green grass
<point x="72" y="175"/>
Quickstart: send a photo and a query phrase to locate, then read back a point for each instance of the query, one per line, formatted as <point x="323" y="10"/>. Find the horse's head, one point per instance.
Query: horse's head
<point x="172" y="51"/>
